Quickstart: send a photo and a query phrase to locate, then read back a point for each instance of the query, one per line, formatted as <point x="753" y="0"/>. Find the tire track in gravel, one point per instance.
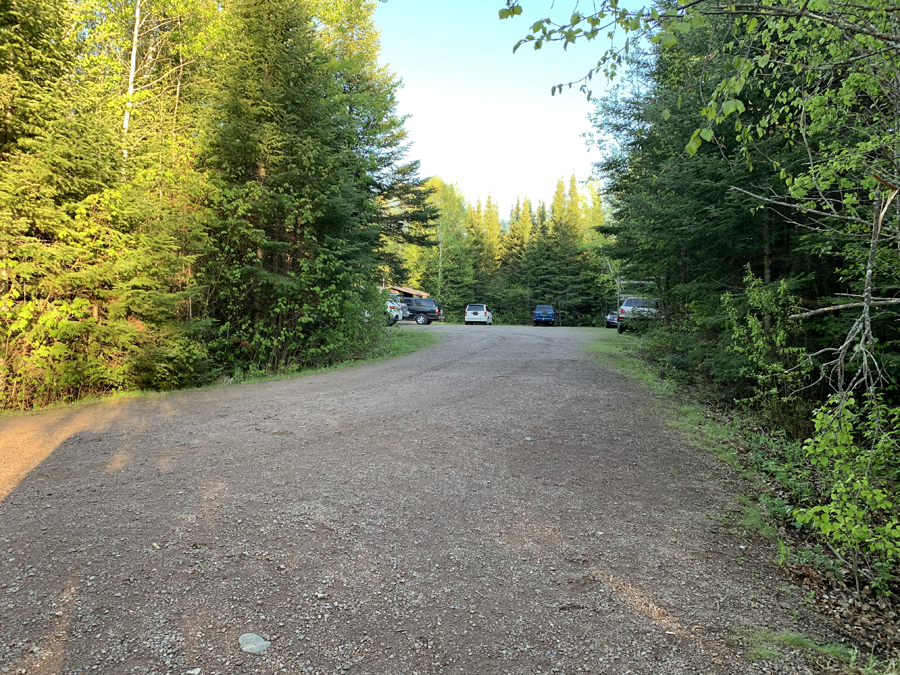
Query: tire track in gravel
<point x="386" y="518"/>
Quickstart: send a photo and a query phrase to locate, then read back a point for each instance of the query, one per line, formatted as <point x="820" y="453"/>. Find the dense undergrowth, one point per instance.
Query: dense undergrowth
<point x="830" y="483"/>
<point x="770" y="238"/>
<point x="850" y="580"/>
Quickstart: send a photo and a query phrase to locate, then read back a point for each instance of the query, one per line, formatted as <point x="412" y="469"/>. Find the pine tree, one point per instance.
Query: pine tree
<point x="447" y="270"/>
<point x="33" y="53"/>
<point x="575" y="215"/>
<point x="393" y="194"/>
<point x="517" y="236"/>
<point x="558" y="208"/>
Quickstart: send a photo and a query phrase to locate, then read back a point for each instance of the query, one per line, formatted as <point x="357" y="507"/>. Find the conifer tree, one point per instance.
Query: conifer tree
<point x="558" y="208"/>
<point x="575" y="209"/>
<point x="90" y="305"/>
<point x="447" y="270"/>
<point x="33" y="55"/>
<point x="518" y="235"/>
<point x="396" y="196"/>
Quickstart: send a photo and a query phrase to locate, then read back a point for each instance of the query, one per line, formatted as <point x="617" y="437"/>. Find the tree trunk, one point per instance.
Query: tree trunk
<point x="131" y="74"/>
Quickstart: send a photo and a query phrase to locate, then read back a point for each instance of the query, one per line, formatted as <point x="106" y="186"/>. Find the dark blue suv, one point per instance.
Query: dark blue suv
<point x="545" y="315"/>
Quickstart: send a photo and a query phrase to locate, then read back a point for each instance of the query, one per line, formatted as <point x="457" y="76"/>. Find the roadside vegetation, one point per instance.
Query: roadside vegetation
<point x="737" y="435"/>
<point x="192" y="190"/>
<point x="389" y="343"/>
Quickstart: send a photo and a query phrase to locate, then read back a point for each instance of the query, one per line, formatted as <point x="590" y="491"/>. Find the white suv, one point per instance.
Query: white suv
<point x="479" y="314"/>
<point x="637" y="308"/>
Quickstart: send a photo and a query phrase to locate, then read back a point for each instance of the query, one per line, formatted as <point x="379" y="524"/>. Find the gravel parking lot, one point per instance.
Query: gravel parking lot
<point x="500" y="503"/>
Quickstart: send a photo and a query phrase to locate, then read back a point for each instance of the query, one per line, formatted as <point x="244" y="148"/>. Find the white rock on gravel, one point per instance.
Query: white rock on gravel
<point x="253" y="644"/>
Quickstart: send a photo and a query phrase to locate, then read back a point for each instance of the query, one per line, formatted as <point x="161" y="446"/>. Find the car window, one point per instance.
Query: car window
<point x="475" y="308"/>
<point x="641" y="302"/>
<point x="544" y="308"/>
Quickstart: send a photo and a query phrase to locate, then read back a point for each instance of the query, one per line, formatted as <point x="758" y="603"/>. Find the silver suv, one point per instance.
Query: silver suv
<point x="637" y="308"/>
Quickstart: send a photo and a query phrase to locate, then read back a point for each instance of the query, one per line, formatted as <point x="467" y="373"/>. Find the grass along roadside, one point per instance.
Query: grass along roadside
<point x="764" y="645"/>
<point x="397" y="341"/>
<point x="704" y="428"/>
<point x="765" y="507"/>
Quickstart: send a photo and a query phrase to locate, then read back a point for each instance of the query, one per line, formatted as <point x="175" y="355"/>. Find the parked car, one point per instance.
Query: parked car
<point x="612" y="320"/>
<point x="479" y="314"/>
<point x="636" y="308"/>
<point x="424" y="310"/>
<point x="394" y="310"/>
<point x="545" y="315"/>
<point x="401" y="301"/>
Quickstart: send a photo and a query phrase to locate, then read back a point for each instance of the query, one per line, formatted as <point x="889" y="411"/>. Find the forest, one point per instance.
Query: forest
<point x="193" y="188"/>
<point x="540" y="253"/>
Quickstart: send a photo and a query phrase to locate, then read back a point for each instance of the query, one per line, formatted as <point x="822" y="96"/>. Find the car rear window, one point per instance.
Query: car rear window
<point x="475" y="308"/>
<point x="639" y="302"/>
<point x="543" y="308"/>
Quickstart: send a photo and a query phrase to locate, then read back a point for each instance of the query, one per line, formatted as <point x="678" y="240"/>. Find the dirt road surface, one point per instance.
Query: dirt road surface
<point x="389" y="518"/>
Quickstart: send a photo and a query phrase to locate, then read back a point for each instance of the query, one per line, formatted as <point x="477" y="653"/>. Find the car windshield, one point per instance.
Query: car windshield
<point x="544" y="308"/>
<point x="475" y="308"/>
<point x="639" y="302"/>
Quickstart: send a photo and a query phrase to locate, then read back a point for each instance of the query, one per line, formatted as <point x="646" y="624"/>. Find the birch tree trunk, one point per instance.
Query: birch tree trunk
<point x="132" y="70"/>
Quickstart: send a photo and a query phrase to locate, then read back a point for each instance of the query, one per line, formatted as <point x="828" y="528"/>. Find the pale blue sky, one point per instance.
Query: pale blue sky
<point x="481" y="116"/>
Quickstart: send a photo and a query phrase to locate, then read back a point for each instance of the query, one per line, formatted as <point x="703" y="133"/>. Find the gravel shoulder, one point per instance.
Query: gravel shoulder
<point x="388" y="518"/>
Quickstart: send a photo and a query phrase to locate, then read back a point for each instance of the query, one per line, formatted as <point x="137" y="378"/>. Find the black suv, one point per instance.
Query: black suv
<point x="424" y="310"/>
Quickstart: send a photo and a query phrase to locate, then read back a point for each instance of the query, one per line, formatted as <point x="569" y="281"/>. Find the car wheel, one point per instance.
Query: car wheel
<point x="422" y="320"/>
<point x="620" y="328"/>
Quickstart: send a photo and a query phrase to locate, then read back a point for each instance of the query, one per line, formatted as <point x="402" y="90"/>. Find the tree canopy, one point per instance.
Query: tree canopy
<point x="192" y="189"/>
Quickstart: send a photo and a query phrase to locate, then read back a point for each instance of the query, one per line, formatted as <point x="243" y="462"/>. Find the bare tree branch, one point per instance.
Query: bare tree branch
<point x="835" y="308"/>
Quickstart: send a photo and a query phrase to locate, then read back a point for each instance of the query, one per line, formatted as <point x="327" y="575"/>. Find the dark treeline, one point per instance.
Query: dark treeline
<point x="192" y="188"/>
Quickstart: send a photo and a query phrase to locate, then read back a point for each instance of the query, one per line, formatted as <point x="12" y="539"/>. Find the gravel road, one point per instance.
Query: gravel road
<point x="500" y="503"/>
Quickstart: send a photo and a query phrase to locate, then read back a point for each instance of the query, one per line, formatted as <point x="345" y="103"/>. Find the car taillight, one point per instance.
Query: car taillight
<point x="621" y="312"/>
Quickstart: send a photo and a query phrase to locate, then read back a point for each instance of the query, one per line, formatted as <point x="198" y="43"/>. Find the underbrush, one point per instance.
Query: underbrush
<point x="388" y="343"/>
<point x="828" y="506"/>
<point x="830" y="480"/>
